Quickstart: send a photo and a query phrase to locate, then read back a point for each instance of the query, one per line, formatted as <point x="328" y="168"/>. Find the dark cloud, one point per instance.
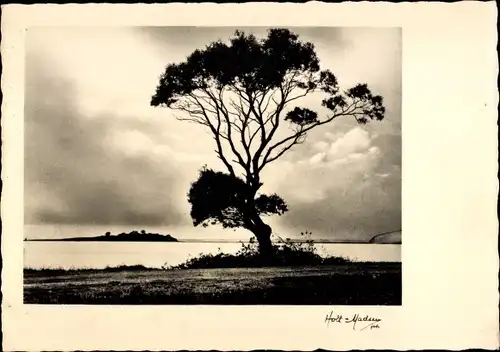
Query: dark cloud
<point x="357" y="200"/>
<point x="356" y="212"/>
<point x="189" y="37"/>
<point x="73" y="176"/>
<point x="390" y="146"/>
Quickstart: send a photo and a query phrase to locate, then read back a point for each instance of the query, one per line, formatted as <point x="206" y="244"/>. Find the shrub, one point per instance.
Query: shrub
<point x="286" y="253"/>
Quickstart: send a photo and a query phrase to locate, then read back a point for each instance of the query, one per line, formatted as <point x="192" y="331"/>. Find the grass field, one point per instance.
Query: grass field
<point x="353" y="284"/>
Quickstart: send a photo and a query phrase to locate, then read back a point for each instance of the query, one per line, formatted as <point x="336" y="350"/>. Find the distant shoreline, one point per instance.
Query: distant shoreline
<point x="133" y="236"/>
<point x="92" y="239"/>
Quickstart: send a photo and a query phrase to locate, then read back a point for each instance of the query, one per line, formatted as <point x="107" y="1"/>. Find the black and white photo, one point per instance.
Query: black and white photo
<point x="249" y="176"/>
<point x="213" y="165"/>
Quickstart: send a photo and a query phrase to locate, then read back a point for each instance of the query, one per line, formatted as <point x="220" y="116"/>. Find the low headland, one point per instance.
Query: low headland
<point x="133" y="236"/>
<point x="296" y="275"/>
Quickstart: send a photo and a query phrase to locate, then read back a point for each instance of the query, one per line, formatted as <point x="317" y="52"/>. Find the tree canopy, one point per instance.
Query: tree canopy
<point x="243" y="92"/>
<point x="218" y="197"/>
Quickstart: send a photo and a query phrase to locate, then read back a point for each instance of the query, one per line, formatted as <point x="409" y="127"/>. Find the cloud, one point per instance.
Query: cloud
<point x="318" y="158"/>
<point x="320" y="145"/>
<point x="351" y="146"/>
<point x="95" y="151"/>
<point x="348" y="188"/>
<point x="355" y="140"/>
<point x="354" y="210"/>
<point x="88" y="168"/>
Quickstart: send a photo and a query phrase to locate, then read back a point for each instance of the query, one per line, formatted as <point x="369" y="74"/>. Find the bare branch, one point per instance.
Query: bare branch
<point x="301" y="133"/>
<point x="216" y="132"/>
<point x="284" y="90"/>
<point x="224" y="115"/>
<point x="296" y="140"/>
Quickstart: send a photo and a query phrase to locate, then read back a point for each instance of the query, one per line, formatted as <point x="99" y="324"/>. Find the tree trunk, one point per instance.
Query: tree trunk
<point x="259" y="228"/>
<point x="263" y="235"/>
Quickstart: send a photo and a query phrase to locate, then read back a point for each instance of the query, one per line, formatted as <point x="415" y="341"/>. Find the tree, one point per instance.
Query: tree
<point x="242" y="92"/>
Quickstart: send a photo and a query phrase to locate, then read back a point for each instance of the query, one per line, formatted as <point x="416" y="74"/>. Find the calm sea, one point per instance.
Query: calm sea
<point x="103" y="254"/>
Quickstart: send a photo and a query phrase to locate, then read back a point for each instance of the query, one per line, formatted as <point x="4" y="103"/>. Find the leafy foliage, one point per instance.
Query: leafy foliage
<point x="302" y="116"/>
<point x="253" y="64"/>
<point x="250" y="65"/>
<point x="268" y="205"/>
<point x="220" y="198"/>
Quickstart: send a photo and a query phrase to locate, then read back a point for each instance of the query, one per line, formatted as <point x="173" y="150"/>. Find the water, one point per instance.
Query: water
<point x="99" y="255"/>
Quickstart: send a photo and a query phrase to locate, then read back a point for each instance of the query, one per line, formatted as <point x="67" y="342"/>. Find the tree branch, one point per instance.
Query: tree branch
<point x="295" y="138"/>
<point x="216" y="132"/>
<point x="222" y="109"/>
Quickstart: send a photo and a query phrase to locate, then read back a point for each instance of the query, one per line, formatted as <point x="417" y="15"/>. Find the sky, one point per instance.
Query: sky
<point x="97" y="153"/>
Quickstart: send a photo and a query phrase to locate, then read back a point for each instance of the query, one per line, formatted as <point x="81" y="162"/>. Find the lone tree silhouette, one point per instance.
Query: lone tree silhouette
<point x="241" y="91"/>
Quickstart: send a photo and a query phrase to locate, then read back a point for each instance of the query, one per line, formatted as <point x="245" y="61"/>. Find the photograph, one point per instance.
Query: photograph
<point x="192" y="177"/>
<point x="185" y="165"/>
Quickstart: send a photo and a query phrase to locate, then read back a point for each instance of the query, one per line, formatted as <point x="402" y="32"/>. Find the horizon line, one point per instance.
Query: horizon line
<point x="194" y="240"/>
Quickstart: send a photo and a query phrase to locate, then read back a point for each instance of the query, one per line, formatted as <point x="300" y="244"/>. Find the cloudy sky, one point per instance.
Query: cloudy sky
<point x="96" y="153"/>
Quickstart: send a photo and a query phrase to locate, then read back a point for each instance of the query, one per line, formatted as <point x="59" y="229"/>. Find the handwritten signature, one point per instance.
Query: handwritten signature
<point x="365" y="321"/>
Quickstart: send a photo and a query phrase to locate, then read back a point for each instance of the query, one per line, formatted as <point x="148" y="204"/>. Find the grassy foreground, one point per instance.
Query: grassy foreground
<point x="353" y="284"/>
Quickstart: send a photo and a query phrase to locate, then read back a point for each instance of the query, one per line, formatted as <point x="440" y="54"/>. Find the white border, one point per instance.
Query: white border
<point x="450" y="261"/>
